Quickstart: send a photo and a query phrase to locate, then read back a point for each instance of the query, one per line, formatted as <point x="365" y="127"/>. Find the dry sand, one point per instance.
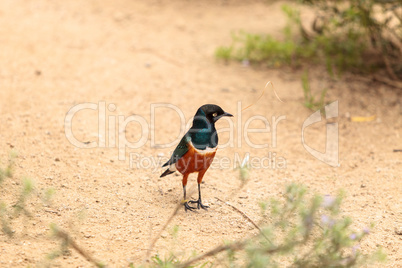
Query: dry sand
<point x="57" y="54"/>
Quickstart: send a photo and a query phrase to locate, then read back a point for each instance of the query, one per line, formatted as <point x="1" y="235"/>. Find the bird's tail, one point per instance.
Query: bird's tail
<point x="167" y="172"/>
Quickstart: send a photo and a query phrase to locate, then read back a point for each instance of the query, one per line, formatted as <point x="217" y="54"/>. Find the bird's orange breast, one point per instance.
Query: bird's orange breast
<point x="195" y="160"/>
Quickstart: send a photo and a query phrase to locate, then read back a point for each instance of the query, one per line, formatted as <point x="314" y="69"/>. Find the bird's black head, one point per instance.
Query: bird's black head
<point x="212" y="112"/>
<point x="203" y="133"/>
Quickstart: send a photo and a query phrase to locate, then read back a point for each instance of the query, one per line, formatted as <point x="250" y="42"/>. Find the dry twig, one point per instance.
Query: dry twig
<point x="246" y="217"/>
<point x="70" y="242"/>
<point x="235" y="246"/>
<point x="389" y="82"/>
<point x="152" y="244"/>
<point x="238" y="246"/>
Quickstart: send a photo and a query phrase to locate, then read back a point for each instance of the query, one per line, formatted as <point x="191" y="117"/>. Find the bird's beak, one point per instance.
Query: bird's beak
<point x="222" y="115"/>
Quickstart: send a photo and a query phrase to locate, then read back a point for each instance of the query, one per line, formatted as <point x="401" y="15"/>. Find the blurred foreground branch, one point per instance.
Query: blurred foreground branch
<point x="67" y="240"/>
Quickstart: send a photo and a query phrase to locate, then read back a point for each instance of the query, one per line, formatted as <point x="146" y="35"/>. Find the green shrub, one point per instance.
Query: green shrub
<point x="310" y="101"/>
<point x="347" y="35"/>
<point x="299" y="230"/>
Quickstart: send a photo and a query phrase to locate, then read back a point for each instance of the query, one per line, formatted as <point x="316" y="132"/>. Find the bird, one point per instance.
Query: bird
<point x="196" y="150"/>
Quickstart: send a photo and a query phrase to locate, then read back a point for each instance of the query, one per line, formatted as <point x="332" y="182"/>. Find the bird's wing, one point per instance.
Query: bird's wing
<point x="180" y="150"/>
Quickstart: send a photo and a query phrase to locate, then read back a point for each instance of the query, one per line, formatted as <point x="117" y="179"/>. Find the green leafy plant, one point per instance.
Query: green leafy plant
<point x="369" y="32"/>
<point x="10" y="213"/>
<point x="346" y="35"/>
<point x="258" y="48"/>
<point x="171" y="261"/>
<point x="299" y="231"/>
<point x="224" y="53"/>
<point x="310" y="101"/>
<point x="8" y="171"/>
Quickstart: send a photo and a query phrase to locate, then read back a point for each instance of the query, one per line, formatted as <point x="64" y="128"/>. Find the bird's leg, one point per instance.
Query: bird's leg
<point x="186" y="205"/>
<point x="198" y="202"/>
<point x="199" y="180"/>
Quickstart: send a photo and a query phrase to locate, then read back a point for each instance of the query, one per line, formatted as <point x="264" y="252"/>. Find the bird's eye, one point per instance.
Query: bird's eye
<point x="214" y="114"/>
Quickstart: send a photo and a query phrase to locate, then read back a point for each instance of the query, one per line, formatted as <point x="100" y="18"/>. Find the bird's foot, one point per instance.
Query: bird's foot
<point x="199" y="204"/>
<point x="187" y="206"/>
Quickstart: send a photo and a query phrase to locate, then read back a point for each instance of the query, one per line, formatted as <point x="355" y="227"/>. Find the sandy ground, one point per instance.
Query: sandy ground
<point x="57" y="54"/>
